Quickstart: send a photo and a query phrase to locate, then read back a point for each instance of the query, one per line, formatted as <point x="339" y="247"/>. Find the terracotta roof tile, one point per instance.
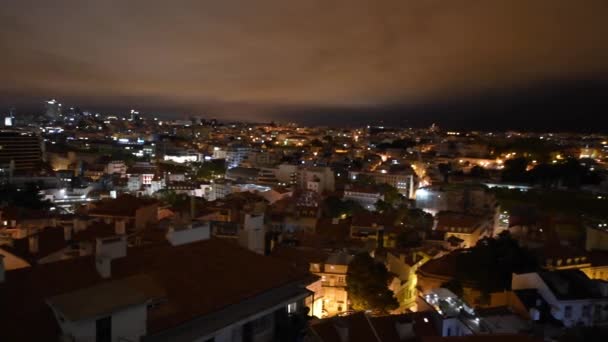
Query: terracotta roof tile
<point x="188" y="273"/>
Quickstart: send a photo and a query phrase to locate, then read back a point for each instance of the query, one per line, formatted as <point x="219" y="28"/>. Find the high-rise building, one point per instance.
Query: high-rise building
<point x="235" y="155"/>
<point x="20" y="150"/>
<point x="53" y="109"/>
<point x="135" y="115"/>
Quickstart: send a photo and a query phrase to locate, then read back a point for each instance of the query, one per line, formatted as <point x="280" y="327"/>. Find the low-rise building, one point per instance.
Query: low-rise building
<point x="134" y="211"/>
<point x="333" y="279"/>
<point x="573" y="298"/>
<point x="466" y="227"/>
<point x="367" y="197"/>
<point x="138" y="294"/>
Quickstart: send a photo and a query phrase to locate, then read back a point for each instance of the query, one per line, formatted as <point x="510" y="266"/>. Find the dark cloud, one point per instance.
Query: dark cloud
<point x="235" y="57"/>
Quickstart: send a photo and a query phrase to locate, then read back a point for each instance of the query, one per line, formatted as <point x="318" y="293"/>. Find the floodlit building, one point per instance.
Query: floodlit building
<point x="333" y="279"/>
<point x="317" y="179"/>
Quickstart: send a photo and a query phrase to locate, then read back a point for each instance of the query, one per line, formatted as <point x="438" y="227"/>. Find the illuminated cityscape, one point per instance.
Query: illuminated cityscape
<point x="373" y="182"/>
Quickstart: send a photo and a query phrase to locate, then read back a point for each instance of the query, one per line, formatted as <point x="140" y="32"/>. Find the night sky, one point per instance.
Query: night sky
<point x="462" y="62"/>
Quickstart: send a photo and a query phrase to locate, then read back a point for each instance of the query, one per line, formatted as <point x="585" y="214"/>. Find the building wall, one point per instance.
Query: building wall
<point x="129" y="324"/>
<point x="596" y="239"/>
<point x="570" y="312"/>
<point x="333" y="282"/>
<point x="146" y="215"/>
<point x="24" y="149"/>
<point x="366" y="200"/>
<point x="596" y="272"/>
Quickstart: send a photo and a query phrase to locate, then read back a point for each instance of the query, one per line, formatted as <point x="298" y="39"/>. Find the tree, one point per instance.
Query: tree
<point x="383" y="206"/>
<point x="417" y="219"/>
<point x="211" y="169"/>
<point x="316" y="143"/>
<point x="515" y="170"/>
<point x="173" y="199"/>
<point x="29" y="197"/>
<point x="478" y="172"/>
<point x="445" y="169"/>
<point x="408" y="238"/>
<point x="336" y="207"/>
<point x="364" y="180"/>
<point x="390" y="193"/>
<point x="491" y="263"/>
<point x="367" y="285"/>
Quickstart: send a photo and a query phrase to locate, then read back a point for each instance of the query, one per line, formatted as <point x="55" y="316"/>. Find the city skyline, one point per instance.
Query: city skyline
<point x="315" y="63"/>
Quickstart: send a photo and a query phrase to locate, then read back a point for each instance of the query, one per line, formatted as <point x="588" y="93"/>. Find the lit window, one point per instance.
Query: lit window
<point x="292" y="308"/>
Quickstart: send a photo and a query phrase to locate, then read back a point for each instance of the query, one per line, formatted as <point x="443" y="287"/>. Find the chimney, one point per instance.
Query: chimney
<point x="104" y="266"/>
<point x="2" y="276"/>
<point x="342" y="329"/>
<point x="120" y="227"/>
<point x="108" y="249"/>
<point x="253" y="239"/>
<point x="113" y="247"/>
<point x="33" y="244"/>
<point x="67" y="233"/>
<point x="188" y="235"/>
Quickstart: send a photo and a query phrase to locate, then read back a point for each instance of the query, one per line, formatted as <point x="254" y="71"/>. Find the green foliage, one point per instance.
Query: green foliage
<point x="367" y="285"/>
<point x="316" y="143"/>
<point x="29" y="197"/>
<point x="573" y="203"/>
<point x="445" y="169"/>
<point x="479" y="172"/>
<point x="210" y="170"/>
<point x="416" y="219"/>
<point x="383" y="206"/>
<point x="173" y="199"/>
<point x="569" y="173"/>
<point x="491" y="263"/>
<point x="399" y="143"/>
<point x="409" y="238"/>
<point x="336" y="207"/>
<point x="391" y="194"/>
<point x="535" y="149"/>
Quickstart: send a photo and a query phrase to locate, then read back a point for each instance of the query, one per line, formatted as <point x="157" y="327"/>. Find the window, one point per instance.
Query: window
<point x="586" y="311"/>
<point x="292" y="308"/>
<point x="103" y="329"/>
<point x="568" y="312"/>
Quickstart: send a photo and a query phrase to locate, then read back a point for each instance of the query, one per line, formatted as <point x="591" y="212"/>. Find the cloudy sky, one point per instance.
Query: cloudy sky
<point x="257" y="58"/>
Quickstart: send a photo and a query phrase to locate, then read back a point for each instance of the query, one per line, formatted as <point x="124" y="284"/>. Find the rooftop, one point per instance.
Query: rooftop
<point x="232" y="274"/>
<point x="105" y="298"/>
<point x="125" y="206"/>
<point x="571" y="285"/>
